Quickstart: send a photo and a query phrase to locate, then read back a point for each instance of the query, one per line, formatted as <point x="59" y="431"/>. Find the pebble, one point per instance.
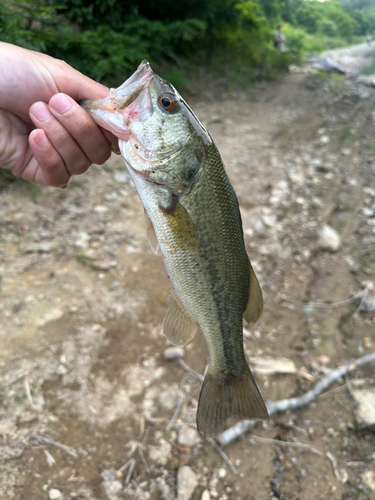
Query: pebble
<point x="188" y="436"/>
<point x="100" y="209"/>
<point x="121" y="176"/>
<point x="172" y="353"/>
<point x="368" y="478"/>
<point x="329" y="239"/>
<point x="324" y="139"/>
<point x="206" y="495"/>
<point x="55" y="494"/>
<point x="83" y="240"/>
<point x="222" y="473"/>
<point x="187" y="481"/>
<point x="365" y="408"/>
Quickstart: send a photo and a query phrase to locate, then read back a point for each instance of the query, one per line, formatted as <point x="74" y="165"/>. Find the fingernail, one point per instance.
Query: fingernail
<point x="41" y="111"/>
<point x="41" y="140"/>
<point x="60" y="103"/>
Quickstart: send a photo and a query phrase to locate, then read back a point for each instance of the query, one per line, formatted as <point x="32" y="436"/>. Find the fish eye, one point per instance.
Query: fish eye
<point x="167" y="102"/>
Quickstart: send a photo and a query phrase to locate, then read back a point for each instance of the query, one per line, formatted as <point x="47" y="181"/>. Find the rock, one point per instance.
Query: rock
<point x="111" y="484"/>
<point x="83" y="240"/>
<point x="324" y="139"/>
<point x="52" y="315"/>
<point x="206" y="495"/>
<point x="271" y="366"/>
<point x="187" y="481"/>
<point x="112" y="196"/>
<point x="365" y="408"/>
<point x="188" y="436"/>
<point x="55" y="494"/>
<point x="269" y="220"/>
<point x="222" y="473"/>
<point x="329" y="239"/>
<point x="121" y="176"/>
<point x="368" y="479"/>
<point x="172" y="353"/>
<point x="100" y="209"/>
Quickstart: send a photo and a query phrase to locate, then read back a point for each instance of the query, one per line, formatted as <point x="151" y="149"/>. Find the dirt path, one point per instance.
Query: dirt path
<point x="82" y="300"/>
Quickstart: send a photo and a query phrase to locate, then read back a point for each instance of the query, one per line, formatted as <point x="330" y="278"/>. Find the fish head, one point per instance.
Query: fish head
<point x="159" y="135"/>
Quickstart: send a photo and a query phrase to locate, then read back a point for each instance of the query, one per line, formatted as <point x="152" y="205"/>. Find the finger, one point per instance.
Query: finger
<point x="53" y="171"/>
<point x="75" y="160"/>
<point x="82" y="127"/>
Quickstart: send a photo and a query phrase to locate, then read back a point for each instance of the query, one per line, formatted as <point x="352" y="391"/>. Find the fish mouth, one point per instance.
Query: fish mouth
<point x="132" y="99"/>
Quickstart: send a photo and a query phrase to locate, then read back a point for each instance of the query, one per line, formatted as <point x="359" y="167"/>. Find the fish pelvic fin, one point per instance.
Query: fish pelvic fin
<point x="254" y="306"/>
<point x="224" y="396"/>
<point x="177" y="325"/>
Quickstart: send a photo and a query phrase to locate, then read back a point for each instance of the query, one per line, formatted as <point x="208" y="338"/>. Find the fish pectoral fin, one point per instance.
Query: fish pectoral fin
<point x="151" y="235"/>
<point x="177" y="325"/>
<point x="254" y="306"/>
<point x="224" y="396"/>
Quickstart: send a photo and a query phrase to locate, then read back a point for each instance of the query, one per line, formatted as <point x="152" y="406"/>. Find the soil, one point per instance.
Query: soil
<point x="82" y="300"/>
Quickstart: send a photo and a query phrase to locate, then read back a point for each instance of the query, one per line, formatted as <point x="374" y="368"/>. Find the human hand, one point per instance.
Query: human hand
<point x="45" y="136"/>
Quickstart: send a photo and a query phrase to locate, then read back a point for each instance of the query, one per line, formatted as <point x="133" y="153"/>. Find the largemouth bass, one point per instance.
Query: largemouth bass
<point x="192" y="216"/>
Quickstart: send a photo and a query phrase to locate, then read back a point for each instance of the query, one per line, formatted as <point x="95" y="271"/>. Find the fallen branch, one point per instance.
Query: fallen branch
<point x="328" y="305"/>
<point x="282" y="405"/>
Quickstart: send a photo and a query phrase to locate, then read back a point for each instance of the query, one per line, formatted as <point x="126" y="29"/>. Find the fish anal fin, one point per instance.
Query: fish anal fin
<point x="151" y="235"/>
<point x="177" y="326"/>
<point x="224" y="396"/>
<point x="254" y="306"/>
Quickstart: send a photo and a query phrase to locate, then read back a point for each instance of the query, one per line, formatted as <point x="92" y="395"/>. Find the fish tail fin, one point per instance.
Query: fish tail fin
<point x="223" y="396"/>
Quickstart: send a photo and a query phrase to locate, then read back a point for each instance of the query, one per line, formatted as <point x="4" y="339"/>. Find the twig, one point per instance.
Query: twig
<point x="67" y="449"/>
<point x="304" y="446"/>
<point x="282" y="405"/>
<point x="28" y="392"/>
<point x="222" y="454"/>
<point x="329" y="305"/>
<point x="130" y="471"/>
<point x="187" y="368"/>
<point x="119" y="473"/>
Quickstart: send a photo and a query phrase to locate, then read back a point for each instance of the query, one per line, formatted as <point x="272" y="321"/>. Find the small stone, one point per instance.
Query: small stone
<point x="346" y="151"/>
<point x="329" y="239"/>
<point x="368" y="478"/>
<point x="112" y="196"/>
<point x="83" y="240"/>
<point x="324" y="139"/>
<point x="365" y="408"/>
<point x="100" y="209"/>
<point x="206" y="495"/>
<point x="55" y="494"/>
<point x="187" y="481"/>
<point x="222" y="473"/>
<point x="172" y="353"/>
<point x="121" y="176"/>
<point x="269" y="220"/>
<point x="52" y="315"/>
<point x="188" y="436"/>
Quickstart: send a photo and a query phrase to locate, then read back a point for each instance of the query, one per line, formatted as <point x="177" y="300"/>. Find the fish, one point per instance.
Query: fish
<point x="193" y="219"/>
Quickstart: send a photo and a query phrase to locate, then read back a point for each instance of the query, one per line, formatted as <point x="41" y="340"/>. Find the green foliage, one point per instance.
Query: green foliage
<point x="327" y="27"/>
<point x="107" y="39"/>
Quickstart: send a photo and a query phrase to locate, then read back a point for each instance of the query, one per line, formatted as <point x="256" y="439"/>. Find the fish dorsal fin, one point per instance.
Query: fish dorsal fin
<point x="177" y="326"/>
<point x="254" y="306"/>
<point x="151" y="235"/>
